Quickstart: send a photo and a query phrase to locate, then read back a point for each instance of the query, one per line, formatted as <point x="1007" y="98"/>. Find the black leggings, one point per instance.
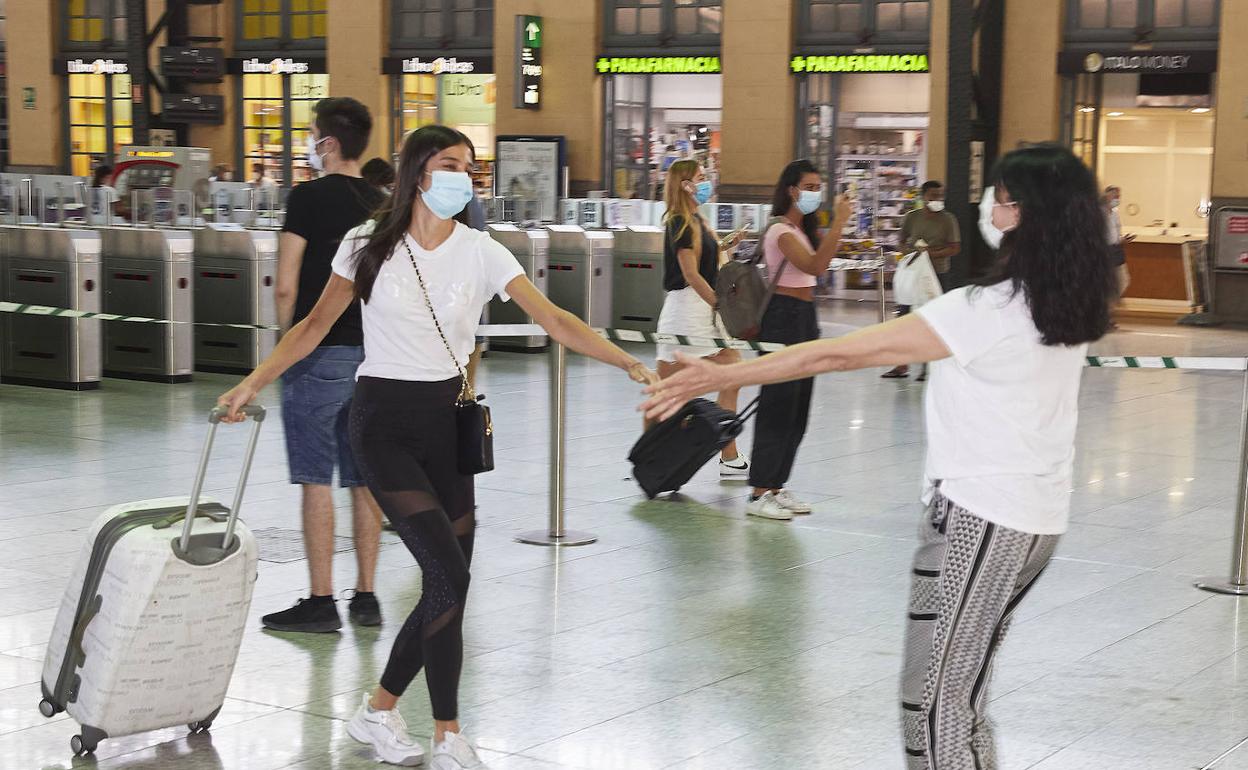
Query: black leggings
<point x="404" y="440"/>
<point x="783" y="408"/>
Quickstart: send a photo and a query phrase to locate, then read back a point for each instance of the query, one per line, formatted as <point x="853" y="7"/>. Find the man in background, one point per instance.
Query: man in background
<point x="316" y="392"/>
<point x="936" y="230"/>
<point x="1113" y="198"/>
<point x="260" y="178"/>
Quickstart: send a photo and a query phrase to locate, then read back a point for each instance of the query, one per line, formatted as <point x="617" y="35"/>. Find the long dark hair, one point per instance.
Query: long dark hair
<point x="396" y="216"/>
<point x="782" y="199"/>
<point x="1059" y="255"/>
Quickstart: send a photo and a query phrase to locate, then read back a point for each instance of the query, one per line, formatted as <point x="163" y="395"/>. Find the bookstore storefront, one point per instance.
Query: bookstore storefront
<point x="459" y="92"/>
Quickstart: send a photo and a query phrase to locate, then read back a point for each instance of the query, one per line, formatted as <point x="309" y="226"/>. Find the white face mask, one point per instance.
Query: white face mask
<point x="993" y="235"/>
<point x="936" y="206"/>
<point x="314" y="159"/>
<point x="449" y="192"/>
<point x="808" y="201"/>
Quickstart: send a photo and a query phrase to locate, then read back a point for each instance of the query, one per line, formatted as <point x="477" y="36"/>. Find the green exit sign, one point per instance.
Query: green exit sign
<point x="532" y="27"/>
<point x="528" y="62"/>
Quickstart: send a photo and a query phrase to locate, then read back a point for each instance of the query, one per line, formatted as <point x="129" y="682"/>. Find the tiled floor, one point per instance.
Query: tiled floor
<point x="688" y="636"/>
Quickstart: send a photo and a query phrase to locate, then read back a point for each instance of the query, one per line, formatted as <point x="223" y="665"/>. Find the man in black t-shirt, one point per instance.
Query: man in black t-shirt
<point x="317" y="391"/>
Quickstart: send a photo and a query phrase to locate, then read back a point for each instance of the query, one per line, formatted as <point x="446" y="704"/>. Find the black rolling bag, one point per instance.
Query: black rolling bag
<point x="667" y="455"/>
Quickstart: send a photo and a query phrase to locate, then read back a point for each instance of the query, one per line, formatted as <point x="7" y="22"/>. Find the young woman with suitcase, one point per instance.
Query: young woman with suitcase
<point x="423" y="278"/>
<point x="1001" y="412"/>
<point x="691" y="258"/>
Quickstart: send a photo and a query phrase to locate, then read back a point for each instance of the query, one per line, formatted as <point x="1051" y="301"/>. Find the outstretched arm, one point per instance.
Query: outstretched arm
<point x="908" y="339"/>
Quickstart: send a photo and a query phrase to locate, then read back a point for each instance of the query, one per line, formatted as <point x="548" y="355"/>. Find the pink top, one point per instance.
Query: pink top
<point x="792" y="278"/>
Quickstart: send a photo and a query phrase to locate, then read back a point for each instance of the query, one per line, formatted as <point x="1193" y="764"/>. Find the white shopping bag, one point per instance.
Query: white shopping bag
<point x="915" y="282"/>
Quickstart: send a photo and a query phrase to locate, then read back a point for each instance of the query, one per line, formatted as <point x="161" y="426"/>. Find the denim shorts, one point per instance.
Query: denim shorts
<point x="316" y="402"/>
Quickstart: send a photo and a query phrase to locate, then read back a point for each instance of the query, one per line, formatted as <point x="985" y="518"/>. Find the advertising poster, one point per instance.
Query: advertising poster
<point x="530" y="170"/>
<point x="468" y="100"/>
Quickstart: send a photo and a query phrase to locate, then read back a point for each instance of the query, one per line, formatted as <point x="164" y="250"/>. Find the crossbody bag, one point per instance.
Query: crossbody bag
<point x="473" y="425"/>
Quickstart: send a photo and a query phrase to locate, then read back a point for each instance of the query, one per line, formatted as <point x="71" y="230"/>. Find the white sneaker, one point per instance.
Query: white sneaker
<point x="767" y="507"/>
<point x="454" y="752"/>
<point x="737" y="468"/>
<point x="791" y="504"/>
<point x="387" y="732"/>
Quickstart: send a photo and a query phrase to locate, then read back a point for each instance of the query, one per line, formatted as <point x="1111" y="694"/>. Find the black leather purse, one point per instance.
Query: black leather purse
<point x="475" y="428"/>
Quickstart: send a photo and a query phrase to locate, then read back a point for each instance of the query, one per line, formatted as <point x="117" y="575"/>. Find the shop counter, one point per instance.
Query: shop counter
<point x="1159" y="272"/>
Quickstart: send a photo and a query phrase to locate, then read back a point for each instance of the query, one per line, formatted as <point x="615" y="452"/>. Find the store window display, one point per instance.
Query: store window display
<point x="466" y="102"/>
<point x="100" y="122"/>
<point x="277" y="114"/>
<point x="657" y="120"/>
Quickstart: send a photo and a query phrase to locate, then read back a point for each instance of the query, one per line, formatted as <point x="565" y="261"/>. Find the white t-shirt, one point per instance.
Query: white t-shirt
<point x="1001" y="412"/>
<point x="463" y="274"/>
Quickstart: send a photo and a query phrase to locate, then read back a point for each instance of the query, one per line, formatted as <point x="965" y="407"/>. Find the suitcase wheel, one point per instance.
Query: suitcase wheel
<point x="199" y="727"/>
<point x="47" y="709"/>
<point x="80" y="746"/>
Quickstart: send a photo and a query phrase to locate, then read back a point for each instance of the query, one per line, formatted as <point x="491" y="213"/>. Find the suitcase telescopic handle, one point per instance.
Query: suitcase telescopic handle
<point x="256" y="413"/>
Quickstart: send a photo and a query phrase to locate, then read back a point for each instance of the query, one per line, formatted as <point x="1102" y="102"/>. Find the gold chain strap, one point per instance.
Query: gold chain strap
<point x="466" y="394"/>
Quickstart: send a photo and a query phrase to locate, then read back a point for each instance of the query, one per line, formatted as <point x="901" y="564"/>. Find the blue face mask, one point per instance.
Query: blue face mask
<point x="808" y="201"/>
<point x="703" y="192"/>
<point x="448" y="194"/>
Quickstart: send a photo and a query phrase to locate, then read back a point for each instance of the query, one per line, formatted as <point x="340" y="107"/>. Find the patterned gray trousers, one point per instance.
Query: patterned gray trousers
<point x="969" y="577"/>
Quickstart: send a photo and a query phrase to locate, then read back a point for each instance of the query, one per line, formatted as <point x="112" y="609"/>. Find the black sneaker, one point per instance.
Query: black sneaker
<point x="364" y="609"/>
<point x="312" y="616"/>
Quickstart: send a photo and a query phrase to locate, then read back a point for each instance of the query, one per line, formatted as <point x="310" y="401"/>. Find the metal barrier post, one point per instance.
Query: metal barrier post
<point x="556" y="534"/>
<point x="1237" y="585"/>
<point x="879" y="289"/>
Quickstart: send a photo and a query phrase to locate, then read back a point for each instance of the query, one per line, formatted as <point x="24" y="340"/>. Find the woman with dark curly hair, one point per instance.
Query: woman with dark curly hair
<point x="1001" y="412"/>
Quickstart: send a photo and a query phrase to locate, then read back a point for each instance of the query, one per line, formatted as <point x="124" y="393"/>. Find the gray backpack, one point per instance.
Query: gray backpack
<point x="742" y="292"/>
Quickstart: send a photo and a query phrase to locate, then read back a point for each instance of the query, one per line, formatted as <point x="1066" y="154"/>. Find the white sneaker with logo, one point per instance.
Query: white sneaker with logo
<point x="791" y="504"/>
<point x="737" y="468"/>
<point x="767" y="507"/>
<point x="454" y="752"/>
<point x="387" y="733"/>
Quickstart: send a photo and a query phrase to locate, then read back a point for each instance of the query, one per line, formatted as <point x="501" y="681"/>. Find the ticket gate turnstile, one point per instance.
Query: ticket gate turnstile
<point x="58" y="268"/>
<point x="579" y="278"/>
<point x="234" y="274"/>
<point x="531" y="249"/>
<point x="637" y="286"/>
<point x="148" y="273"/>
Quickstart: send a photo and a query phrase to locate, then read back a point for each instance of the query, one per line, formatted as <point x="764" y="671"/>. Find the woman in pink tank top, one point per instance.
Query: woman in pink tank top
<point x="792" y="248"/>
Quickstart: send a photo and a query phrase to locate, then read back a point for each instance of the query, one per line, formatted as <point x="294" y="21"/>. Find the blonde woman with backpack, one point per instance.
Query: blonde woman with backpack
<point x="691" y="258"/>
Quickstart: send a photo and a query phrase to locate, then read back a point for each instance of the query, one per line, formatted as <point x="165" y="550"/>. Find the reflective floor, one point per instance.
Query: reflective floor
<point x="687" y="636"/>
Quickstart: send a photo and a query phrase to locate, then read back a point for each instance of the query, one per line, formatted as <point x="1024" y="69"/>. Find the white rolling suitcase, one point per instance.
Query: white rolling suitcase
<point x="150" y="624"/>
